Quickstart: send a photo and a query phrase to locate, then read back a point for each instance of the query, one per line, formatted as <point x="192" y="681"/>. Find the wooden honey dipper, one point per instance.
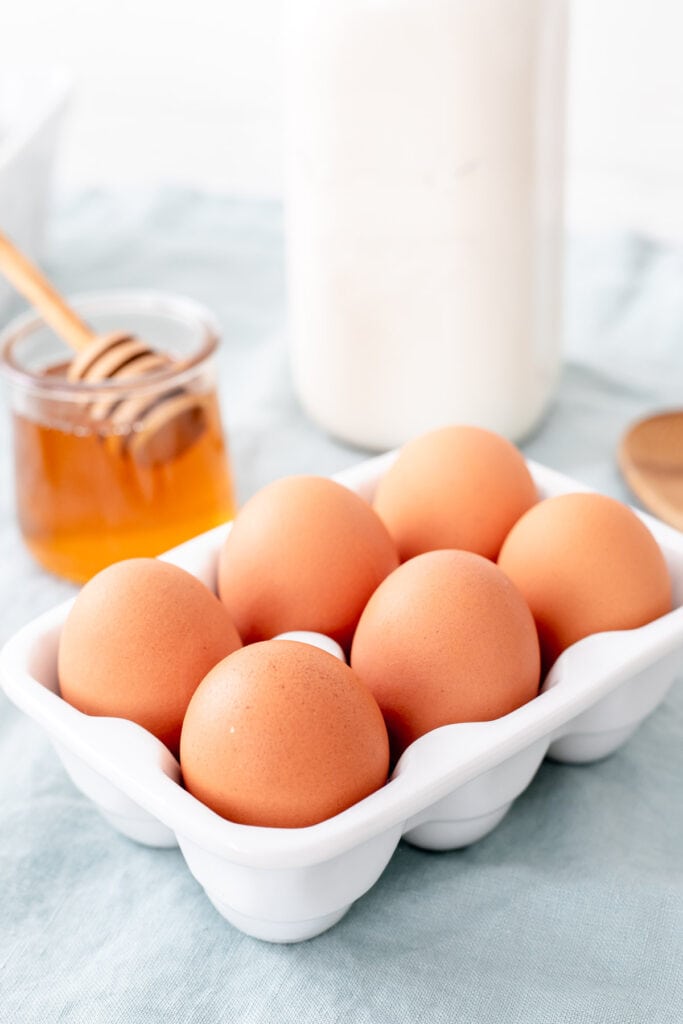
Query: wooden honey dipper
<point x="166" y="422"/>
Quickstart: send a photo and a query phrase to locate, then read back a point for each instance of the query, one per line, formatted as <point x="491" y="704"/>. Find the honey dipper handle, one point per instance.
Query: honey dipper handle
<point x="37" y="290"/>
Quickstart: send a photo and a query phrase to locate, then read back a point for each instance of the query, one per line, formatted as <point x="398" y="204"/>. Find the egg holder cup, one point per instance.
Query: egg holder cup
<point x="450" y="788"/>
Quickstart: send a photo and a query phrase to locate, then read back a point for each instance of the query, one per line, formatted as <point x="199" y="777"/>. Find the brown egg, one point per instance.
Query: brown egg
<point x="458" y="487"/>
<point x="282" y="734"/>
<point x="446" y="638"/>
<point x="304" y="553"/>
<point x="140" y="637"/>
<point x="585" y="563"/>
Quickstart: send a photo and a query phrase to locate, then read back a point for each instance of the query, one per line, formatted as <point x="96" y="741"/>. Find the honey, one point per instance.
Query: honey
<point x="123" y="463"/>
<point x="84" y="500"/>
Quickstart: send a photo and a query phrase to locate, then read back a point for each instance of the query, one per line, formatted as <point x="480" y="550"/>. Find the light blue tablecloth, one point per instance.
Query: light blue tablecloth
<point x="571" y="911"/>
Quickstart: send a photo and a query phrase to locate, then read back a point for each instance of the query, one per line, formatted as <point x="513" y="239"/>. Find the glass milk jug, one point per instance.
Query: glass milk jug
<point x="424" y="148"/>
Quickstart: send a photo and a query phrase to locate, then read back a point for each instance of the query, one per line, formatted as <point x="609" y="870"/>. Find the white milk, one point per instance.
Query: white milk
<point x="424" y="185"/>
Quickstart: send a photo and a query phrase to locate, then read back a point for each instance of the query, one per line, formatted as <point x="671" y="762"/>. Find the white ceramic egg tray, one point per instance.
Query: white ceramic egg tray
<point x="450" y="788"/>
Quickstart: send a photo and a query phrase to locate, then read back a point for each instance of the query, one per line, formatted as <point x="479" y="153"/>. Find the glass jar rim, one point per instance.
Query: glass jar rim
<point x="134" y="300"/>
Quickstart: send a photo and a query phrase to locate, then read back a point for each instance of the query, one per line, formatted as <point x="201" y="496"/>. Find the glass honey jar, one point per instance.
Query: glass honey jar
<point x="90" y="488"/>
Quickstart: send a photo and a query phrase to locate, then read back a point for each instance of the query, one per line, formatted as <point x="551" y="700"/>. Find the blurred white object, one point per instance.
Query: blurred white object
<point x="425" y="159"/>
<point x="31" y="109"/>
<point x="626" y="116"/>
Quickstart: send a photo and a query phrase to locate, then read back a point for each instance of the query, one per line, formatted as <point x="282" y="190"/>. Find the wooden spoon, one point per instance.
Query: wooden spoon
<point x="651" y="460"/>
<point x="163" y="424"/>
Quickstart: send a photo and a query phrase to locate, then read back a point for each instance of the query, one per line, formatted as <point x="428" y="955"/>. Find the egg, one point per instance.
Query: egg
<point x="458" y="487"/>
<point x="304" y="553"/>
<point x="585" y="563"/>
<point x="140" y="637"/>
<point x="446" y="638"/>
<point x="284" y="735"/>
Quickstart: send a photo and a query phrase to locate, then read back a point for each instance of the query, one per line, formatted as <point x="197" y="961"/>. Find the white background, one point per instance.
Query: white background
<point x="189" y="92"/>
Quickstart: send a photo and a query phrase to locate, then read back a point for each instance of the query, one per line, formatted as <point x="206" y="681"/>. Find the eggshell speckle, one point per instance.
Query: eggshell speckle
<point x="585" y="563"/>
<point x="304" y="553"/>
<point x="458" y="487"/>
<point x="140" y="637"/>
<point x="282" y="734"/>
<point x="446" y="638"/>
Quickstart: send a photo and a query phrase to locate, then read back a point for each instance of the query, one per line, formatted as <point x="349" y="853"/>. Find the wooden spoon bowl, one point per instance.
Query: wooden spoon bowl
<point x="651" y="460"/>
